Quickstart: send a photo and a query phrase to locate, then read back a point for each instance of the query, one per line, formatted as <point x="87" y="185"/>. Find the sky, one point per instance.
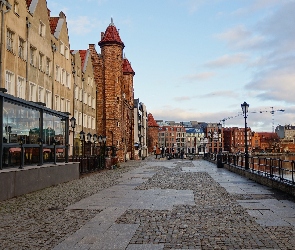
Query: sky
<point x="199" y="60"/>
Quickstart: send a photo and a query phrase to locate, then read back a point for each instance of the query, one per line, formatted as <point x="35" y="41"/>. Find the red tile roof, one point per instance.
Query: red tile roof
<point x="53" y="23"/>
<point x="83" y="57"/>
<point x="111" y="35"/>
<point x="151" y="121"/>
<point x="127" y="67"/>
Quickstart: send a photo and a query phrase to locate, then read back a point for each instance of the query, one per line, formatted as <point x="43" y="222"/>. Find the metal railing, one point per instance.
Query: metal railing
<point x="272" y="168"/>
<point x="88" y="164"/>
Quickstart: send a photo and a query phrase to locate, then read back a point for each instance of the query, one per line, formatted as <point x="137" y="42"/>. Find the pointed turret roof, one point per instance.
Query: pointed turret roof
<point x="127" y="69"/>
<point x="111" y="36"/>
<point x="151" y="121"/>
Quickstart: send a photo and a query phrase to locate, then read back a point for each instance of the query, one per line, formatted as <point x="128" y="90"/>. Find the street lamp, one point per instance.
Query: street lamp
<point x="245" y="107"/>
<point x="82" y="134"/>
<point x="89" y="141"/>
<point x="94" y="141"/>
<point x="73" y="126"/>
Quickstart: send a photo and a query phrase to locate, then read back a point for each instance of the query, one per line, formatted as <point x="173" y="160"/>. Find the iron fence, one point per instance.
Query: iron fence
<point x="91" y="163"/>
<point x="273" y="168"/>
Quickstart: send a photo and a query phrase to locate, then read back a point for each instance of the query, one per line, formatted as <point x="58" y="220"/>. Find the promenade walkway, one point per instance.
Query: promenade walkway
<point x="165" y="204"/>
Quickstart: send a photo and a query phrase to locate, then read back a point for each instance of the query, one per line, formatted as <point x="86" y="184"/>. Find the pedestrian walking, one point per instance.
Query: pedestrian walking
<point x="181" y="154"/>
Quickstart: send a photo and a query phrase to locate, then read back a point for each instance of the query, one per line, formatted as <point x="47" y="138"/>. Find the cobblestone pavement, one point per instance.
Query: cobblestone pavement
<point x="155" y="204"/>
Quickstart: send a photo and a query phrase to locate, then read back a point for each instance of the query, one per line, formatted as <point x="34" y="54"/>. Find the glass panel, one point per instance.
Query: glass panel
<point x="53" y="129"/>
<point x="20" y="122"/>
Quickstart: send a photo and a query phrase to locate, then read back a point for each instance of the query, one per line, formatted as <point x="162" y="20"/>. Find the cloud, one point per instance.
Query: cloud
<point x="227" y="60"/>
<point x="274" y="84"/>
<point x="199" y="76"/>
<point x="221" y="94"/>
<point x="81" y="25"/>
<point x="239" y="37"/>
<point x="182" y="98"/>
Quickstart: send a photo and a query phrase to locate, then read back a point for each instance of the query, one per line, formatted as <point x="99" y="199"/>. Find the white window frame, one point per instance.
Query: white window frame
<point x="48" y="97"/>
<point x="9" y="40"/>
<point x="93" y="102"/>
<point x="20" y="93"/>
<point x="76" y="92"/>
<point x="32" y="55"/>
<point x="9" y="82"/>
<point x="42" y="29"/>
<point x="41" y="59"/>
<point x="57" y="73"/>
<point x="21" y="48"/>
<point x="16" y="8"/>
<point x="32" y="92"/>
<point x="80" y="118"/>
<point x="66" y="52"/>
<point x="40" y="94"/>
<point x="85" y="120"/>
<point x="48" y="63"/>
<point x="57" y="102"/>
<point x="62" y="48"/>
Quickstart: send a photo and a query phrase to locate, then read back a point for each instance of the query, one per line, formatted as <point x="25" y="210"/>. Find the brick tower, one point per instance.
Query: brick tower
<point x="114" y="78"/>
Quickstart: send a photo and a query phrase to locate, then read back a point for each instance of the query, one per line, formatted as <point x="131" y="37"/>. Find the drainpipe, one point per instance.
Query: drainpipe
<point x="8" y="8"/>
<point x="53" y="48"/>
<point x="28" y="24"/>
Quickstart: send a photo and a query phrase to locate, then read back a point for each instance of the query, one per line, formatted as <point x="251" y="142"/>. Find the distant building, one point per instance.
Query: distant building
<point x="153" y="130"/>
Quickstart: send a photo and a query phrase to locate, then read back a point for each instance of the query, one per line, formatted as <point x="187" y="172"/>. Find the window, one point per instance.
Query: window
<point x="20" y="87"/>
<point x="93" y="103"/>
<point x="42" y="29"/>
<point x="68" y="80"/>
<point x="40" y="94"/>
<point x="62" y="48"/>
<point x="76" y="92"/>
<point x="66" y="52"/>
<point x="32" y="92"/>
<point x="89" y="122"/>
<point x="47" y="66"/>
<point x="89" y="100"/>
<point x="9" y="42"/>
<point x="57" y="73"/>
<point x="80" y="95"/>
<point x="48" y="97"/>
<point x="62" y="104"/>
<point x="85" y="98"/>
<point x="68" y="106"/>
<point x="93" y="123"/>
<point x="21" y="48"/>
<point x="76" y="114"/>
<point x="16" y="8"/>
<point x="80" y="118"/>
<point x="63" y="76"/>
<point x="57" y="103"/>
<point x="84" y="120"/>
<point x="41" y="58"/>
<point x="9" y="82"/>
<point x="32" y="55"/>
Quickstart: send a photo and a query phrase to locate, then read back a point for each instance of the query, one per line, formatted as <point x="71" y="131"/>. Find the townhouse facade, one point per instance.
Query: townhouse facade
<point x="140" y="130"/>
<point x="96" y="88"/>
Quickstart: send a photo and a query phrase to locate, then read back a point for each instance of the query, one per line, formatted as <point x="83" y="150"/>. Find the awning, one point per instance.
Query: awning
<point x="13" y="150"/>
<point x="59" y="150"/>
<point x="46" y="150"/>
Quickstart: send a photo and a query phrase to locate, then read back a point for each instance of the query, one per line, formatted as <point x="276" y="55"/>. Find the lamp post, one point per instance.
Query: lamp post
<point x="73" y="126"/>
<point x="22" y="157"/>
<point x="82" y="134"/>
<point x="94" y="141"/>
<point x="245" y="107"/>
<point x="219" y="126"/>
<point x="40" y="142"/>
<point x="89" y="140"/>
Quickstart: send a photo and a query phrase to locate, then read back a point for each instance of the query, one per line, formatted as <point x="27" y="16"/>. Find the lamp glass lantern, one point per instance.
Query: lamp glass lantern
<point x="89" y="137"/>
<point x="95" y="137"/>
<point x="82" y="135"/>
<point x="73" y="122"/>
<point x="245" y="107"/>
<point x="104" y="139"/>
